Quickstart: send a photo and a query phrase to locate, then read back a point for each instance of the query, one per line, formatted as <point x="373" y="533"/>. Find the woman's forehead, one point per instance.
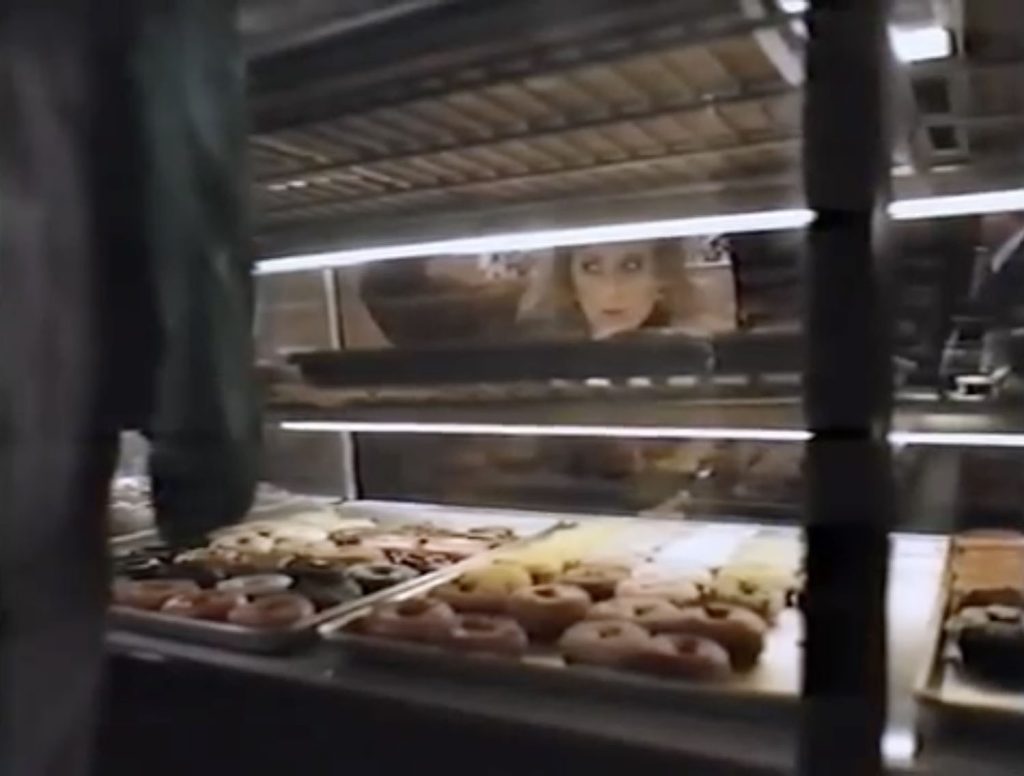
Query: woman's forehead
<point x="615" y="250"/>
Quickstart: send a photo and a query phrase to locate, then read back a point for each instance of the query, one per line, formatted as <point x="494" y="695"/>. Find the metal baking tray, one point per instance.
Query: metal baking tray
<point x="770" y="693"/>
<point x="953" y="703"/>
<point x="274" y="641"/>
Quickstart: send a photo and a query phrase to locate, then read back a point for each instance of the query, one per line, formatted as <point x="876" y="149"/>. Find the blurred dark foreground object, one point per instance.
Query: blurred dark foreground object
<point x="125" y="302"/>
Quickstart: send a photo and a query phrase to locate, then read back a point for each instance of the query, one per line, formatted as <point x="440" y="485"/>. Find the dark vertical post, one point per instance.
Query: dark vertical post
<point x="847" y="390"/>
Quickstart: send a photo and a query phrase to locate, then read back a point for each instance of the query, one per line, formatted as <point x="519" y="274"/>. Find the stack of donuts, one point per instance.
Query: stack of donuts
<point x="272" y="574"/>
<point x="691" y="624"/>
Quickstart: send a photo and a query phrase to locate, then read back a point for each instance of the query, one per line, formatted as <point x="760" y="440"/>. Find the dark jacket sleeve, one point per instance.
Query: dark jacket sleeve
<point x="204" y="418"/>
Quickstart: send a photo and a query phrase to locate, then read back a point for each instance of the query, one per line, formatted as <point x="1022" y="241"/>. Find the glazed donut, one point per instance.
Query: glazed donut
<point x="378" y="576"/>
<point x="486" y="633"/>
<point x="681" y="592"/>
<point x="273" y="611"/>
<point x="599" y="581"/>
<point x="417" y="619"/>
<point x="681" y="655"/>
<point x="750" y="594"/>
<point x="655" y="614"/>
<point x="299" y="533"/>
<point x="256" y="584"/>
<point x="485" y="590"/>
<point x="202" y="605"/>
<point x="150" y="594"/>
<point x="739" y="631"/>
<point x="603" y="642"/>
<point x="545" y="611"/>
<point x="244" y="542"/>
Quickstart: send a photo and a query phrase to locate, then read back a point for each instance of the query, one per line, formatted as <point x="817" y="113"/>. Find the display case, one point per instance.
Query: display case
<point x="711" y="306"/>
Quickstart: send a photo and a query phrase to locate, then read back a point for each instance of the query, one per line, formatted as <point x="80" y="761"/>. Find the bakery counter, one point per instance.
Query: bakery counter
<point x="331" y="689"/>
<point x="315" y="685"/>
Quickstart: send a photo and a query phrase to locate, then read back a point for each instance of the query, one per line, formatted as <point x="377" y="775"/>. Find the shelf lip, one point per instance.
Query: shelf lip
<point x="774" y="419"/>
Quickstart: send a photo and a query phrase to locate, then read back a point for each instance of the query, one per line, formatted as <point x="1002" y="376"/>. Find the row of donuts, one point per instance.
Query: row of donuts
<point x="270" y="564"/>
<point x="694" y="625"/>
<point x="986" y="607"/>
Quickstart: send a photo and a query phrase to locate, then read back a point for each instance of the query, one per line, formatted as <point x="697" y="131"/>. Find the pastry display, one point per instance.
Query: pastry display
<point x="985" y="611"/>
<point x="268" y="573"/>
<point x="660" y="618"/>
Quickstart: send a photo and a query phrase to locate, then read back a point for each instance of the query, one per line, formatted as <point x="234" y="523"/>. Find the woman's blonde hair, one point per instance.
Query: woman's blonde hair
<point x="550" y="303"/>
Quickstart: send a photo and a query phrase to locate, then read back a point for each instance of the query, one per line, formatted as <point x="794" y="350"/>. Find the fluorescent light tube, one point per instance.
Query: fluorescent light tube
<point x="958" y="205"/>
<point x="733" y="223"/>
<point x="526" y="429"/>
<point x="921" y="44"/>
<point x="681" y="433"/>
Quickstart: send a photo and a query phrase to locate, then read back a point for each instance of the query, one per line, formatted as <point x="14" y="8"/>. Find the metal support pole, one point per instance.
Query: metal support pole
<point x="847" y="391"/>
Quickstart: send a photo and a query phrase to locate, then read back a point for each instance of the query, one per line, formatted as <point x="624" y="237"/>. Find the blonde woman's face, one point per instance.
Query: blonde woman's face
<point x="616" y="287"/>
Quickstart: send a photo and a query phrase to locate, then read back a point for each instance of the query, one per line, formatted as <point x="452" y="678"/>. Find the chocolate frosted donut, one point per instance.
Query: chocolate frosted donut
<point x="378" y="576"/>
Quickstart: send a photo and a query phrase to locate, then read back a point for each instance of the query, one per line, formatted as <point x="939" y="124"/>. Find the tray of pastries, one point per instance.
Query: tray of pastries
<point x="648" y="606"/>
<point x="265" y="585"/>
<point x="975" y="672"/>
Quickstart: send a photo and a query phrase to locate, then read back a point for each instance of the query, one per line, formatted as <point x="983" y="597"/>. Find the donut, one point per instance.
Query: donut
<point x="487" y="633"/>
<point x="250" y="542"/>
<point x="599" y="581"/>
<point x="298" y="532"/>
<point x="654" y="573"/>
<point x="655" y="614"/>
<point x="242" y="563"/>
<point x="750" y="594"/>
<point x="484" y="590"/>
<point x="150" y="594"/>
<point x="739" y="631"/>
<point x="417" y="619"/>
<point x="326" y="569"/>
<point x="545" y="611"/>
<point x="202" y="605"/>
<point x="681" y="592"/>
<point x="681" y="655"/>
<point x="256" y="584"/>
<point x="273" y="611"/>
<point x="603" y="642"/>
<point x="378" y="576"/>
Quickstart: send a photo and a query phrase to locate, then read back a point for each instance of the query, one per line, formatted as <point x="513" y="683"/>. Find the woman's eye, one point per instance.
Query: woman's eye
<point x="591" y="266"/>
<point x="632" y="264"/>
